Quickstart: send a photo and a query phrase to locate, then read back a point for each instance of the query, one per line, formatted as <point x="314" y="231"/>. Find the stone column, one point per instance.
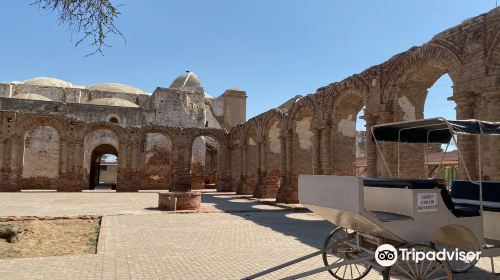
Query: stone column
<point x="259" y="162"/>
<point x="263" y="158"/>
<point x="326" y="150"/>
<point x="316" y="151"/>
<point x="467" y="143"/>
<point x="19" y="146"/>
<point x="63" y="156"/>
<point x="388" y="154"/>
<point x="283" y="160"/>
<point x="493" y="141"/>
<point x="371" y="148"/>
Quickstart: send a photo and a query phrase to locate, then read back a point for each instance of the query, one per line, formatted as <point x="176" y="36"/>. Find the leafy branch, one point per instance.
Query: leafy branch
<point x="94" y="19"/>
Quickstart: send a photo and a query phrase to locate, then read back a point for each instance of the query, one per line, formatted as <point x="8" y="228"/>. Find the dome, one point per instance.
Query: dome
<point x="186" y="80"/>
<point x="115" y="87"/>
<point x="47" y="82"/>
<point x="113" y="102"/>
<point x="31" y="96"/>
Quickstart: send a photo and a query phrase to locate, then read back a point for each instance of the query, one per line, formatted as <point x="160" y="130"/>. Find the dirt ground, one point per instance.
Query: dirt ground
<point x="53" y="238"/>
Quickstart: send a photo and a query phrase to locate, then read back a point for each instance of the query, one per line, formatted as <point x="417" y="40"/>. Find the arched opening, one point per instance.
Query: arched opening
<point x="424" y="94"/>
<point x="272" y="161"/>
<point x="113" y="120"/>
<point x="103" y="167"/>
<point x="236" y="161"/>
<point x="347" y="139"/>
<point x="437" y="104"/>
<point x="361" y="140"/>
<point x="205" y="163"/>
<point x="156" y="169"/>
<point x="302" y="149"/>
<point x="41" y="158"/>
<point x="98" y="143"/>
<point x="252" y="161"/>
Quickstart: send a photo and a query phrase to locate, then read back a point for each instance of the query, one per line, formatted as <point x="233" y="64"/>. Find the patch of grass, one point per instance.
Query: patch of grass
<point x="94" y="239"/>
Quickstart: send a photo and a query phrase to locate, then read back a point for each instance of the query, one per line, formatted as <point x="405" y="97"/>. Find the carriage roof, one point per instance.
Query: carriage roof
<point x="436" y="130"/>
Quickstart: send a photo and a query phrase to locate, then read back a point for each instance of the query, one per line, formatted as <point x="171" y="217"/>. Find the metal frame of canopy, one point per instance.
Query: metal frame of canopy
<point x="433" y="125"/>
<point x="355" y="206"/>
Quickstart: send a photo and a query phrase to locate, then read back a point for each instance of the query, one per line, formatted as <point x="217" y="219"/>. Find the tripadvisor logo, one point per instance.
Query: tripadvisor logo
<point x="387" y="255"/>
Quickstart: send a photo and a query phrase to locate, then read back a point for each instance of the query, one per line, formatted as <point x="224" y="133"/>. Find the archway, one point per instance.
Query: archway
<point x="205" y="163"/>
<point x="156" y="168"/>
<point x="272" y="161"/>
<point x="41" y="145"/>
<point x="98" y="143"/>
<point x="422" y="94"/>
<point x="103" y="167"/>
<point x="252" y="159"/>
<point x="236" y="160"/>
<point x="345" y="136"/>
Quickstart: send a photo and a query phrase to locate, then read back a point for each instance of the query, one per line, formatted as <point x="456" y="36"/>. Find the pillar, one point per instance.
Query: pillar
<point x="316" y="151"/>
<point x="326" y="150"/>
<point x="467" y="143"/>
<point x="371" y="148"/>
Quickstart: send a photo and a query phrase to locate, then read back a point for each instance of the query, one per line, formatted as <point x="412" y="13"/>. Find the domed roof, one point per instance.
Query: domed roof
<point x="48" y="82"/>
<point x="186" y="80"/>
<point x="113" y="102"/>
<point x="31" y="96"/>
<point x="115" y="87"/>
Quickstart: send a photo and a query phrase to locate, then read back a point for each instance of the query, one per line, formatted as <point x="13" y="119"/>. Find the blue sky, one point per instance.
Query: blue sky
<point x="272" y="49"/>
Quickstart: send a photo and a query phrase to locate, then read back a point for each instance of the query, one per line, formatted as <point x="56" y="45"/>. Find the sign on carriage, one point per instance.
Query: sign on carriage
<point x="427" y="202"/>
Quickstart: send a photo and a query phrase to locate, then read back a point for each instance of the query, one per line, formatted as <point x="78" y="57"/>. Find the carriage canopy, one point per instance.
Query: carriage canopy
<point x="436" y="130"/>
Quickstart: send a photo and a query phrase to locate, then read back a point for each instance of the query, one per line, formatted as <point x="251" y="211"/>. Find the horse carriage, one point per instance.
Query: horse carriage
<point x="419" y="217"/>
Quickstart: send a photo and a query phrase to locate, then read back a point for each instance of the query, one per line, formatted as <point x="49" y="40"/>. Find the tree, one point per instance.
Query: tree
<point x="93" y="19"/>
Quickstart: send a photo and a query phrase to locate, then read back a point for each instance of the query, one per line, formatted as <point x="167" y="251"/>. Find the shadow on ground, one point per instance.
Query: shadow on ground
<point x="286" y="221"/>
<point x="293" y="222"/>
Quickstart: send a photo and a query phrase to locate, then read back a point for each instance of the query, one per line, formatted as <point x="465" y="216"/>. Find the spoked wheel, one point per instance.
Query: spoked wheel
<point x="342" y="252"/>
<point x="423" y="270"/>
<point x="458" y="266"/>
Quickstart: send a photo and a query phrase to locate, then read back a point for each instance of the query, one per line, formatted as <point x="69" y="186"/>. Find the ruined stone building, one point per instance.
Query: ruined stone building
<point x="311" y="134"/>
<point x="54" y="133"/>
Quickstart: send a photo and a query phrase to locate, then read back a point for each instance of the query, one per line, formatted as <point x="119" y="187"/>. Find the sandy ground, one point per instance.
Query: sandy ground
<point x="53" y="238"/>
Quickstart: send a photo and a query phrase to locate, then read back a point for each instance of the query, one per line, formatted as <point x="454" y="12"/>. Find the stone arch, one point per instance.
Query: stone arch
<point x="101" y="136"/>
<point x="251" y="171"/>
<point x="347" y="104"/>
<point x="41" y="143"/>
<point x="29" y="122"/>
<point x="405" y="91"/>
<point x="156" y="158"/>
<point x="115" y="128"/>
<point x="208" y="157"/>
<point x="273" y="154"/>
<point x="420" y="66"/>
<point x="236" y="141"/>
<point x="493" y="52"/>
<point x="303" y="130"/>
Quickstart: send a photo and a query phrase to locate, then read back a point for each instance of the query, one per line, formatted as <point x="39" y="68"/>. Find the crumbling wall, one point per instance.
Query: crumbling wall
<point x="41" y="158"/>
<point x="156" y="170"/>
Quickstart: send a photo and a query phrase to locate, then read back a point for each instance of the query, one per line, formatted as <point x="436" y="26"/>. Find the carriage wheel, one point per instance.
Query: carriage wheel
<point x="458" y="266"/>
<point x="342" y="252"/>
<point x="423" y="270"/>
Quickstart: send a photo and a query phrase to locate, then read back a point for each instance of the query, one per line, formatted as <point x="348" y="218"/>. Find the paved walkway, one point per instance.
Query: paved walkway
<point x="236" y="239"/>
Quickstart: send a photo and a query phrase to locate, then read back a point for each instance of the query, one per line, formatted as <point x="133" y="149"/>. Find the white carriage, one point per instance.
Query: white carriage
<point x="419" y="215"/>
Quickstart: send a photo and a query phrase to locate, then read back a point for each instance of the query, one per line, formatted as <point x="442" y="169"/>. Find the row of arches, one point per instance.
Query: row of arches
<point x="317" y="133"/>
<point x="54" y="152"/>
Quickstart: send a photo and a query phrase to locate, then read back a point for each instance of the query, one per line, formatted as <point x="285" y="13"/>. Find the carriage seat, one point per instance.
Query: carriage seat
<point x="457" y="210"/>
<point x="402" y="183"/>
<point x="465" y="194"/>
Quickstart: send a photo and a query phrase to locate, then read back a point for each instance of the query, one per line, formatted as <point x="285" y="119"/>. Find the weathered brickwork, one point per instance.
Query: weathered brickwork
<point x="312" y="134"/>
<point x="317" y="131"/>
<point x="150" y="157"/>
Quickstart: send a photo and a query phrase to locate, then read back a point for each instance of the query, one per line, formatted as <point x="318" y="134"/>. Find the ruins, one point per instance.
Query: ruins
<point x="52" y="132"/>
